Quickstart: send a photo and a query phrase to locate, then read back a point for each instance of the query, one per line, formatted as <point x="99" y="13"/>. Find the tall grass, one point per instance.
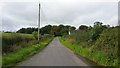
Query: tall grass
<point x="13" y="38"/>
<point x="11" y="59"/>
<point x="106" y="44"/>
<point x="0" y="60"/>
<point x="14" y="41"/>
<point x="97" y="56"/>
<point x="0" y="49"/>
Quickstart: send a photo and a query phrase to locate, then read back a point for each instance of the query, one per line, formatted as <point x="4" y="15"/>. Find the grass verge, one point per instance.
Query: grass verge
<point x="0" y="60"/>
<point x="11" y="59"/>
<point x="96" y="56"/>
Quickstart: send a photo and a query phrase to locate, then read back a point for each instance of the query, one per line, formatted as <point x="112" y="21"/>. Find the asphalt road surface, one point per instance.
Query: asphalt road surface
<point x="55" y="54"/>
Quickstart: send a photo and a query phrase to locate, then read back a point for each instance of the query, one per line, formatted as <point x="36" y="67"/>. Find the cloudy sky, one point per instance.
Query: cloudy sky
<point x="24" y="13"/>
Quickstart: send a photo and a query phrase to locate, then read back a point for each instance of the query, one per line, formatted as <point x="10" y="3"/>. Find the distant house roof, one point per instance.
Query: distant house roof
<point x="76" y="31"/>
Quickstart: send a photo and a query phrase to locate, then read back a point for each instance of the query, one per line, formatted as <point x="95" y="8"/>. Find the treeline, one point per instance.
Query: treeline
<point x="101" y="42"/>
<point x="56" y="30"/>
<point x="27" y="30"/>
<point x="49" y="29"/>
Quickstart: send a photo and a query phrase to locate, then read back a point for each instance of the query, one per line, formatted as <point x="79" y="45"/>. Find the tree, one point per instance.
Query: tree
<point x="49" y="29"/>
<point x="27" y="30"/>
<point x="61" y="26"/>
<point x="72" y="28"/>
<point x="46" y="29"/>
<point x="96" y="30"/>
<point x="83" y="27"/>
<point x="22" y="30"/>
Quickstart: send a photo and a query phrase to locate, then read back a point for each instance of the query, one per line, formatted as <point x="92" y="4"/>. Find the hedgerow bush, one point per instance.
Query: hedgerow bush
<point x="45" y="36"/>
<point x="15" y="40"/>
<point x="108" y="44"/>
<point x="100" y="38"/>
<point x="12" y="59"/>
<point x="103" y="51"/>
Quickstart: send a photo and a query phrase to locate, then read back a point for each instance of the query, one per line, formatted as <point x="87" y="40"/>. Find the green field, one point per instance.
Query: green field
<point x="12" y="58"/>
<point x="15" y="41"/>
<point x="17" y="47"/>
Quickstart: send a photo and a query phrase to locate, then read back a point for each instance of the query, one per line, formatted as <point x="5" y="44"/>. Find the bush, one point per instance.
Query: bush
<point x="46" y="36"/>
<point x="96" y="31"/>
<point x="108" y="44"/>
<point x="35" y="34"/>
<point x="99" y="39"/>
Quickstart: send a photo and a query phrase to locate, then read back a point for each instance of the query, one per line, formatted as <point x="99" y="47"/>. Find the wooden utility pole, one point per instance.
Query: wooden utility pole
<point x="39" y="23"/>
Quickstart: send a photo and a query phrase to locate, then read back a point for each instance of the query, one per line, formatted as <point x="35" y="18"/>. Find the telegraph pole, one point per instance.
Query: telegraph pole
<point x="39" y="23"/>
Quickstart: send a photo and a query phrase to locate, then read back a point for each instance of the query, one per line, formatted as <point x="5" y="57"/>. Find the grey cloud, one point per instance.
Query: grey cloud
<point x="18" y="14"/>
<point x="25" y="14"/>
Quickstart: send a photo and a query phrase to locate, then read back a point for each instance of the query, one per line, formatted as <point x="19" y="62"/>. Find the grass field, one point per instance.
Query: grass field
<point x="14" y="41"/>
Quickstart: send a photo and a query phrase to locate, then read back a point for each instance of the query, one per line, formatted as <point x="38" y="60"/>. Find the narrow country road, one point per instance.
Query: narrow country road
<point x="55" y="54"/>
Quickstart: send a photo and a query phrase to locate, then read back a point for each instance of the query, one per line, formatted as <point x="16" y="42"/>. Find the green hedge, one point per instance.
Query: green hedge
<point x="11" y="59"/>
<point x="108" y="44"/>
<point x="12" y="41"/>
<point x="97" y="56"/>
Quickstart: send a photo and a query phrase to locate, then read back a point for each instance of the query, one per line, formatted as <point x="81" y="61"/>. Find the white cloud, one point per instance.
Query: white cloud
<point x="113" y="21"/>
<point x="55" y="12"/>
